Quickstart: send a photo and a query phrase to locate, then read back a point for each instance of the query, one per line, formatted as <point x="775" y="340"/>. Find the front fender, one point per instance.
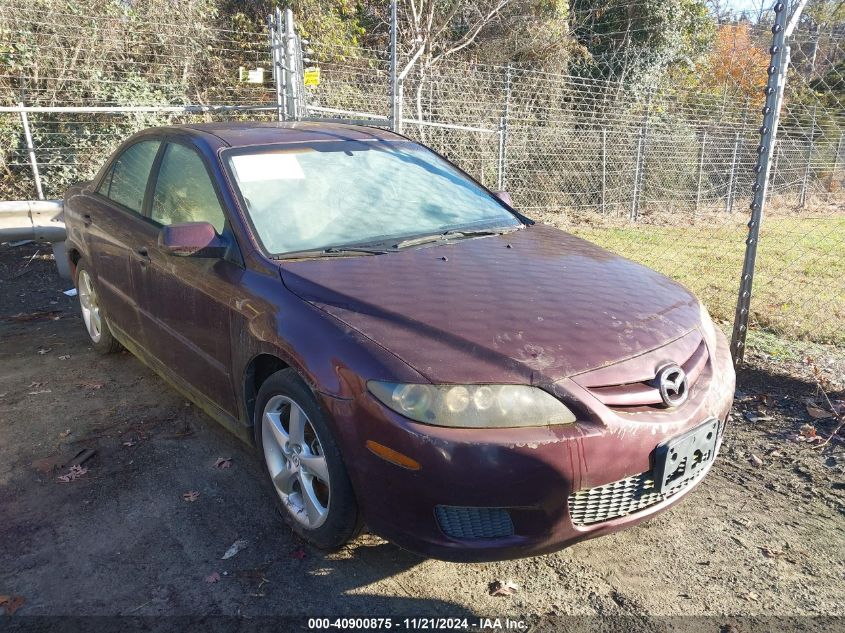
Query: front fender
<point x="334" y="359"/>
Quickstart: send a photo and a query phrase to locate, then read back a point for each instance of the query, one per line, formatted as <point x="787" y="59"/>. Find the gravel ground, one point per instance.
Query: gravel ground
<point x="762" y="536"/>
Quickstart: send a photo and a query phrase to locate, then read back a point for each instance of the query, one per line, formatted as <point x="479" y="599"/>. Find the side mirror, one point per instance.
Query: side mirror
<point x="504" y="196"/>
<point x="198" y="239"/>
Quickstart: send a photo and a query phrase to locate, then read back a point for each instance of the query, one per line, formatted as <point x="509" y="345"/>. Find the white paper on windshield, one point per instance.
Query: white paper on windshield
<point x="264" y="167"/>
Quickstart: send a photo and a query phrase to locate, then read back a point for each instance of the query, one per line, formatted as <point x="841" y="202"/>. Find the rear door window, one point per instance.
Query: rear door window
<point x="126" y="182"/>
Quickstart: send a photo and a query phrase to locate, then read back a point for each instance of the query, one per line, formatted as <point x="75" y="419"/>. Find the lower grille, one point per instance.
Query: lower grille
<point x="474" y="523"/>
<point x="623" y="497"/>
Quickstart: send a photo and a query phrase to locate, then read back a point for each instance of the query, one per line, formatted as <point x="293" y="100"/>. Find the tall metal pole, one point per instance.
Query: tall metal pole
<point x="291" y="66"/>
<point x="768" y="133"/>
<point x="395" y="112"/>
<point x="274" y="24"/>
<point x="806" y="178"/>
<point x="36" y="175"/>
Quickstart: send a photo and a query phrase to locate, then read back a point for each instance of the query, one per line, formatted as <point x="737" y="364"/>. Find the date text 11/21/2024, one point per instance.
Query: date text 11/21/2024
<point x="419" y="624"/>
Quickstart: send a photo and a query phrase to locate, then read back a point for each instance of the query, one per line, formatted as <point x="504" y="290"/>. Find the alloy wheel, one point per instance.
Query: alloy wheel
<point x="90" y="304"/>
<point x="296" y="461"/>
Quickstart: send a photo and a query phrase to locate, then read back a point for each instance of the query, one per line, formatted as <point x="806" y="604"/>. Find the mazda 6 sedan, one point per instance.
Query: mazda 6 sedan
<point x="405" y="350"/>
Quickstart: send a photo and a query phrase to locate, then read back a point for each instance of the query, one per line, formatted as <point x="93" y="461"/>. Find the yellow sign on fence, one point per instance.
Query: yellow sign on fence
<point x="312" y="76"/>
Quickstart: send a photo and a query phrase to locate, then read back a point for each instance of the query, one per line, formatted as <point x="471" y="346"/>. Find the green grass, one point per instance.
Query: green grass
<point x="799" y="283"/>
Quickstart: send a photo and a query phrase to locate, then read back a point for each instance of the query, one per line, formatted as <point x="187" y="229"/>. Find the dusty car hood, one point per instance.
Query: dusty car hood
<point x="532" y="306"/>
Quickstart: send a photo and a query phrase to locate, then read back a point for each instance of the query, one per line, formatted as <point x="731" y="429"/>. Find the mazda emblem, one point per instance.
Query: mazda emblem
<point x="672" y="382"/>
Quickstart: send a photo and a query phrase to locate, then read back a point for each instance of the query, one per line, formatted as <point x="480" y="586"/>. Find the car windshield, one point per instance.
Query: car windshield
<point x="335" y="194"/>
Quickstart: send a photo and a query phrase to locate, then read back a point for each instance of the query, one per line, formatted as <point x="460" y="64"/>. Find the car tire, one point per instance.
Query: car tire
<point x="93" y="317"/>
<point x="296" y="472"/>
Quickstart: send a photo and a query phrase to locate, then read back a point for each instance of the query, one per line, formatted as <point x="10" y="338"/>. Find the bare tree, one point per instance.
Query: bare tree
<point x="433" y="30"/>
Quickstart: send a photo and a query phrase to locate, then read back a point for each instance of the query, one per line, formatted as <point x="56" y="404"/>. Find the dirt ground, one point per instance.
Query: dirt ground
<point x="762" y="536"/>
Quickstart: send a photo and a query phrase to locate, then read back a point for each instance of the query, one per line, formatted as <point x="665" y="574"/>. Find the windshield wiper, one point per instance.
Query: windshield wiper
<point x="452" y="234"/>
<point x="333" y="251"/>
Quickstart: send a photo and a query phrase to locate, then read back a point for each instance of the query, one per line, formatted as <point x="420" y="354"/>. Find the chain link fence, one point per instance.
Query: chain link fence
<point x="662" y="173"/>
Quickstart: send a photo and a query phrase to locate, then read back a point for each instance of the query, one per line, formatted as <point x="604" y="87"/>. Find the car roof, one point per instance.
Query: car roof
<point x="244" y="133"/>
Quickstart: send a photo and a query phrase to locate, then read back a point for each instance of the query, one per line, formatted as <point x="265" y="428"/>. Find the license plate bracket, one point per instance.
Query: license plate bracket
<point x="685" y="456"/>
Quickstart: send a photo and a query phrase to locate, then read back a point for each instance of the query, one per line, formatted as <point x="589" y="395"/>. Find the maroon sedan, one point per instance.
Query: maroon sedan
<point x="405" y="349"/>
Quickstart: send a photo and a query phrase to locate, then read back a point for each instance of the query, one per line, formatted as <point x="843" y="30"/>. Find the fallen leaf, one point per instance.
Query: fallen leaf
<point x="298" y="553"/>
<point x="75" y="472"/>
<point x="756" y="461"/>
<point x="751" y="595"/>
<point x="11" y="604"/>
<point x="771" y="553"/>
<point x="35" y="316"/>
<point x="65" y="433"/>
<point x="807" y="430"/>
<point x="129" y="443"/>
<point x="65" y="357"/>
<point x="756" y="417"/>
<point x="234" y="548"/>
<point x="767" y="400"/>
<point x="36" y="385"/>
<point x="817" y="413"/>
<point x="191" y="496"/>
<point x="223" y="462"/>
<point x="497" y="588"/>
<point x="45" y="350"/>
<point x="212" y="578"/>
<point x="91" y="385"/>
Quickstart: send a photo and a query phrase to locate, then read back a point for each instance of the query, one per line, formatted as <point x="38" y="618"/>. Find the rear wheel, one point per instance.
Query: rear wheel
<point x="92" y="314"/>
<point x="303" y="462"/>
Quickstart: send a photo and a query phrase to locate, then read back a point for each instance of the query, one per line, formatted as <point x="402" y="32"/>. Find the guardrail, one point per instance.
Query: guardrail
<point x="39" y="221"/>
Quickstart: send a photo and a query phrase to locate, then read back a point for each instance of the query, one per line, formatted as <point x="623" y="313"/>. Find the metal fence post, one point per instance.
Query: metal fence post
<point x="731" y="177"/>
<point x="803" y="198"/>
<point x="639" y="172"/>
<point x="604" y="170"/>
<point x="273" y="23"/>
<point x="395" y="111"/>
<point x="700" y="170"/>
<point x="36" y="175"/>
<point x="634" y="202"/>
<point x="292" y="71"/>
<point x="503" y="131"/>
<point x="768" y="132"/>
<point x="835" y="162"/>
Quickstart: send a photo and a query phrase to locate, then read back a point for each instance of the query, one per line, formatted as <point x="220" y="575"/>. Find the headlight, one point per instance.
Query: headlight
<point x="708" y="329"/>
<point x="473" y="406"/>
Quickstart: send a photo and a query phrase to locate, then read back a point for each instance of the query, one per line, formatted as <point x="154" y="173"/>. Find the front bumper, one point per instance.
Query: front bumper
<point x="531" y="473"/>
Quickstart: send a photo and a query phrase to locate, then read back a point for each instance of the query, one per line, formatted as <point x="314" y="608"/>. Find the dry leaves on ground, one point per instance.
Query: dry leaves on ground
<point x="223" y="462"/>
<point x="191" y="496"/>
<point x="212" y="578"/>
<point x="498" y="588"/>
<point x="11" y="604"/>
<point x="234" y="548"/>
<point x="74" y="473"/>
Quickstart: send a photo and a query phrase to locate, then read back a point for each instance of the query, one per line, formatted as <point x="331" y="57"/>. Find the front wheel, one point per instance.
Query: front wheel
<point x="304" y="463"/>
<point x="92" y="314"/>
